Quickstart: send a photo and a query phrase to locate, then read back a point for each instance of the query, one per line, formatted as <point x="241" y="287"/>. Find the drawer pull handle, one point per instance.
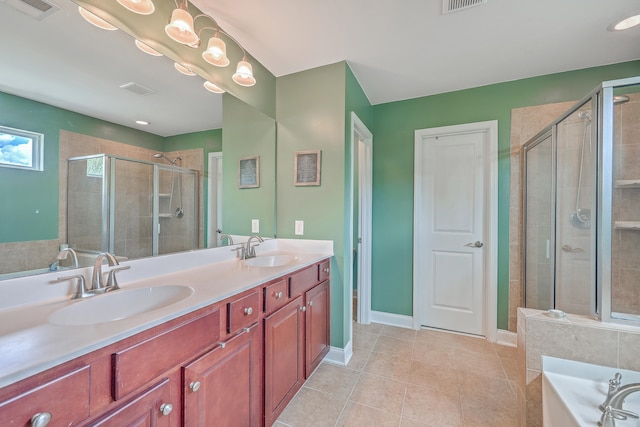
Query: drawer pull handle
<point x="40" y="419"/>
<point x="195" y="386"/>
<point x="223" y="344"/>
<point x="248" y="311"/>
<point x="166" y="408"/>
<point x="278" y="295"/>
<point x="303" y="308"/>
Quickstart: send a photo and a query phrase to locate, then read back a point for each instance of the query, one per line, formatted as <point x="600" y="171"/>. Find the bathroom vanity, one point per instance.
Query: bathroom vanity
<point x="232" y="353"/>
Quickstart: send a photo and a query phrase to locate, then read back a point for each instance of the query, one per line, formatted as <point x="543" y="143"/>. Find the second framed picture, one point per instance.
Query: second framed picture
<point x="249" y="172"/>
<point x="307" y="168"/>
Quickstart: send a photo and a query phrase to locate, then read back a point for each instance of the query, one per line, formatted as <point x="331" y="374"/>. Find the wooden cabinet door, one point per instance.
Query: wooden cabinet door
<point x="152" y="408"/>
<point x="283" y="357"/>
<point x="224" y="386"/>
<point x="64" y="401"/>
<point x="316" y="326"/>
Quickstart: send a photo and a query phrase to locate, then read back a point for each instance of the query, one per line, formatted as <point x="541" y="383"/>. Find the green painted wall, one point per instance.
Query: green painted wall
<point x="28" y="191"/>
<point x="310" y="110"/>
<point x="247" y="132"/>
<point x="393" y="128"/>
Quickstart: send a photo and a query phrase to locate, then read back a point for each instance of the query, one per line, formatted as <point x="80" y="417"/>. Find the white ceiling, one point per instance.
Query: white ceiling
<point x="397" y="49"/>
<point x="401" y="49"/>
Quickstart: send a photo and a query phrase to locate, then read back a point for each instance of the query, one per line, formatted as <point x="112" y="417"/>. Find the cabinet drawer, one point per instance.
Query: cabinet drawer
<point x="275" y="296"/>
<point x="243" y="312"/>
<point x="303" y="280"/>
<point x="135" y="366"/>
<point x="66" y="399"/>
<point x="324" y="271"/>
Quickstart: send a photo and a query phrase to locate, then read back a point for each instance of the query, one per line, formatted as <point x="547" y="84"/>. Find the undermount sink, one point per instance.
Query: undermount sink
<point x="270" y="260"/>
<point x="118" y="305"/>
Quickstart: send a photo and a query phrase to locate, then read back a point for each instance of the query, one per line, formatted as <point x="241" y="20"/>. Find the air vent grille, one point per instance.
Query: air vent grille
<point x="449" y="6"/>
<point x="38" y="9"/>
<point x="137" y="88"/>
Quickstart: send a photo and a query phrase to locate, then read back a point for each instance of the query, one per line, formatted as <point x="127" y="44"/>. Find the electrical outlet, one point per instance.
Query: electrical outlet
<point x="255" y="225"/>
<point x="299" y="229"/>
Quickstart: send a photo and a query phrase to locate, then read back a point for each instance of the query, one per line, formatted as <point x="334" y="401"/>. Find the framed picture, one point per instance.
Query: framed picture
<point x="307" y="168"/>
<point x="249" y="172"/>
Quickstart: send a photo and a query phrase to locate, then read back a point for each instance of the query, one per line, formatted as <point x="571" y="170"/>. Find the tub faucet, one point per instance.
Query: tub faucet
<point x="613" y="411"/>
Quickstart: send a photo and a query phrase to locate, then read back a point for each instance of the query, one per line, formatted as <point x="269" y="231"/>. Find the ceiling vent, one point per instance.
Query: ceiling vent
<point x="137" y="88"/>
<point x="37" y="9"/>
<point x="449" y="6"/>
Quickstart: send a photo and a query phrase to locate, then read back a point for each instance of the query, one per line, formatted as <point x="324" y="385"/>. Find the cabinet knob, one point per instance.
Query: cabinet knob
<point x="166" y="408"/>
<point x="303" y="308"/>
<point x="278" y="295"/>
<point x="194" y="386"/>
<point x="310" y="303"/>
<point x="40" y="419"/>
<point x="325" y="270"/>
<point x="248" y="311"/>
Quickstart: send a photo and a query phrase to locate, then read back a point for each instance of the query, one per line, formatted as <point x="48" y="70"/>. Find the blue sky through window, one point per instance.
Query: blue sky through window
<point x="16" y="150"/>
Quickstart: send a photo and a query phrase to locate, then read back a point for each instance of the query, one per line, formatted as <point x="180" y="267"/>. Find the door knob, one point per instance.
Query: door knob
<point x="476" y="244"/>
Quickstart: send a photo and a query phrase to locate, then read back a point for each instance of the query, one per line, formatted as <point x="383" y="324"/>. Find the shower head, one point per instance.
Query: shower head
<point x="162" y="156"/>
<point x="620" y="99"/>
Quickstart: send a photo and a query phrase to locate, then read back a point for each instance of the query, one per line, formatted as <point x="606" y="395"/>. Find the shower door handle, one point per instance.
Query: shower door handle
<point x="476" y="244"/>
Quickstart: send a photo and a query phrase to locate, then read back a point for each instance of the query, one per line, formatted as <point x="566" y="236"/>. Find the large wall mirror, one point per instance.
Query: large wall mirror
<point x="83" y="89"/>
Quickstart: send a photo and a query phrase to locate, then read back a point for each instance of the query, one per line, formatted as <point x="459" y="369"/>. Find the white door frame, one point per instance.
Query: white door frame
<point x="214" y="198"/>
<point x="490" y="226"/>
<point x="361" y="142"/>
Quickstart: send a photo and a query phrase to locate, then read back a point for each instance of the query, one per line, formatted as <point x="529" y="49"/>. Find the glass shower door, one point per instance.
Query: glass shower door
<point x="575" y="211"/>
<point x="177" y="210"/>
<point x="538" y="265"/>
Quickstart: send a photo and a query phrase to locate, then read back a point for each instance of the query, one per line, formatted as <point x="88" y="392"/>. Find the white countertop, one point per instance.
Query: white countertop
<point x="29" y="344"/>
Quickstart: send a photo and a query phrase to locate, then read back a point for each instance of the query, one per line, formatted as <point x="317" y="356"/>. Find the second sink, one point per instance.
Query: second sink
<point x="270" y="260"/>
<point x="119" y="305"/>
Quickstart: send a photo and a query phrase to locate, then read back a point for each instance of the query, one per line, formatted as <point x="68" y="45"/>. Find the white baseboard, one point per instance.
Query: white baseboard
<point x="507" y="338"/>
<point x="392" y="319"/>
<point x="339" y="356"/>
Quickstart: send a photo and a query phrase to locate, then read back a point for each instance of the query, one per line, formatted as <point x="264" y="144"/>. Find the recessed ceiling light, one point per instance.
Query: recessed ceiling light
<point x="184" y="70"/>
<point x="142" y="122"/>
<point x="628" y="21"/>
<point x="147" y="49"/>
<point x="212" y="87"/>
<point x="95" y="20"/>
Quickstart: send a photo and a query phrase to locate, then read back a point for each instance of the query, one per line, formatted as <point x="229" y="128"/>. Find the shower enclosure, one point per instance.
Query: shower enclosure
<point x="130" y="208"/>
<point x="581" y="207"/>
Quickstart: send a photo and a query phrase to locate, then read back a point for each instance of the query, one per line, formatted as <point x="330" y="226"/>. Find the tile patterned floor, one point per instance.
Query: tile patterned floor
<point x="406" y="378"/>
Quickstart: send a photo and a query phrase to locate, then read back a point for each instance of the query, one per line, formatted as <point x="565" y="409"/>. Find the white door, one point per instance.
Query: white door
<point x="214" y="197"/>
<point x="451" y="231"/>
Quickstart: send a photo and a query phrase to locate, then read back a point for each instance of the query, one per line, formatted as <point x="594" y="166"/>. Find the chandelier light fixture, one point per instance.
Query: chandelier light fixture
<point x="181" y="29"/>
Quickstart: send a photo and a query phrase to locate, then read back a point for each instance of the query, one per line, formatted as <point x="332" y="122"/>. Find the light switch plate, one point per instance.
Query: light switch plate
<point x="255" y="225"/>
<point x="299" y="229"/>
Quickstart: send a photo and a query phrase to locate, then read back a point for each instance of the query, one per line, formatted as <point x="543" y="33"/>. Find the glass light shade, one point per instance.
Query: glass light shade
<point x="627" y="23"/>
<point x="146" y="49"/>
<point x="244" y="74"/>
<point x="184" y="70"/>
<point x="95" y="20"/>
<point x="180" y="28"/>
<point x="142" y="7"/>
<point x="216" y="53"/>
<point x="213" y="88"/>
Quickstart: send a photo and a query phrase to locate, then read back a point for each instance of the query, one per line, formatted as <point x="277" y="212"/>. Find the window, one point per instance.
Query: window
<point x="20" y="149"/>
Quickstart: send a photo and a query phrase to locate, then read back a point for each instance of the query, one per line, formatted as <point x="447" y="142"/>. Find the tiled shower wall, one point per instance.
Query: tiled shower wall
<point x="625" y="265"/>
<point x="33" y="255"/>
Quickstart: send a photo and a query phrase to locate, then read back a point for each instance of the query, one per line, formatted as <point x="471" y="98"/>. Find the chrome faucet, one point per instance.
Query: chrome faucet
<point x="613" y="410"/>
<point x="64" y="253"/>
<point x="97" y="279"/>
<point x="229" y="238"/>
<point x="250" y="251"/>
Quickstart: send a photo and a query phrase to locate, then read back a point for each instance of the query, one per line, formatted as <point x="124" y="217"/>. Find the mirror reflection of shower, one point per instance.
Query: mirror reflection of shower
<point x="175" y="179"/>
<point x="581" y="217"/>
